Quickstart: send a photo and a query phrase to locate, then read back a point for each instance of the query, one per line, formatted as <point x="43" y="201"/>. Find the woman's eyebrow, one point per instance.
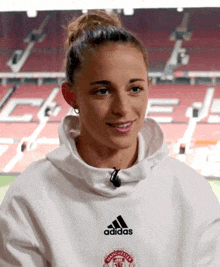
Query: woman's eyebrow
<point x="137" y="79"/>
<point x="108" y="82"/>
<point x="100" y="82"/>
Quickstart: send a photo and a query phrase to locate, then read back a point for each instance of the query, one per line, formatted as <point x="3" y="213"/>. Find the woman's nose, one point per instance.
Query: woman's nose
<point x="120" y="104"/>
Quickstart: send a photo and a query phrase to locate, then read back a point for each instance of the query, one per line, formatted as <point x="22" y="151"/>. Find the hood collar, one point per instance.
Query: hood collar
<point x="152" y="149"/>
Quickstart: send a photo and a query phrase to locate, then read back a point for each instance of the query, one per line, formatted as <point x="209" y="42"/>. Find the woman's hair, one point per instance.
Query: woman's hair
<point x="91" y="31"/>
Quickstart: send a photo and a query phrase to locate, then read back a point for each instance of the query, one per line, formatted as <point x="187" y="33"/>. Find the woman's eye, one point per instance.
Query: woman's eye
<point x="103" y="91"/>
<point x="136" y="89"/>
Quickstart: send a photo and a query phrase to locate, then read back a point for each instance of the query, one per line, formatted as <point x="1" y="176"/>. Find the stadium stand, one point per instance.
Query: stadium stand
<point x="201" y="58"/>
<point x="65" y="108"/>
<point x="204" y="38"/>
<point x="50" y="131"/>
<point x="185" y="94"/>
<point x="35" y="154"/>
<point x="15" y="28"/>
<point x="208" y="137"/>
<point x="3" y="61"/>
<point x="16" y="130"/>
<point x="173" y="112"/>
<point x="26" y="100"/>
<point x="204" y="51"/>
<point x="33" y="112"/>
<point x="3" y="90"/>
<point x="7" y="152"/>
<point x="43" y="60"/>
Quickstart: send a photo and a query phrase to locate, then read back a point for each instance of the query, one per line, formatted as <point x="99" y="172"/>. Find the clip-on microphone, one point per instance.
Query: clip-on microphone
<point x="115" y="179"/>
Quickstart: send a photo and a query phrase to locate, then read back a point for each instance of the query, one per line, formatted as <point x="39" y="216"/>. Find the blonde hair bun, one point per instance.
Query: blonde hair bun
<point x="89" y="21"/>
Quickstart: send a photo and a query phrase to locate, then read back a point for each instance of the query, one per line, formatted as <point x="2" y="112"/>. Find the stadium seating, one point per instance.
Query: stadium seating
<point x="3" y="62"/>
<point x="204" y="51"/>
<point x="30" y="156"/>
<point x="204" y="38"/>
<point x="27" y="92"/>
<point x="65" y="108"/>
<point x="186" y="94"/>
<point x="3" y="90"/>
<point x="202" y="61"/>
<point x="24" y="93"/>
<point x="49" y="131"/>
<point x="211" y="133"/>
<point x="154" y="29"/>
<point x="44" y="61"/>
<point x="7" y="156"/>
<point x="48" y="136"/>
<point x="17" y="130"/>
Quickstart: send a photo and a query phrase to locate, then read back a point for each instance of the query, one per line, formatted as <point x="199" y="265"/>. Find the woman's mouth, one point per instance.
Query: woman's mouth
<point x="121" y="127"/>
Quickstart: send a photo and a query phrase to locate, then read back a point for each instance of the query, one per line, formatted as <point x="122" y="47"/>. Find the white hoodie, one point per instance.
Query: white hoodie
<point x="61" y="212"/>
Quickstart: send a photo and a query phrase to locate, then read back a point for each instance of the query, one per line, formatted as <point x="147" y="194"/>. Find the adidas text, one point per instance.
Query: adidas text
<point x="118" y="232"/>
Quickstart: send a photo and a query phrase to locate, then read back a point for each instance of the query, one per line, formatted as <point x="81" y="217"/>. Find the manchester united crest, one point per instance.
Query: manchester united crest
<point x="119" y="258"/>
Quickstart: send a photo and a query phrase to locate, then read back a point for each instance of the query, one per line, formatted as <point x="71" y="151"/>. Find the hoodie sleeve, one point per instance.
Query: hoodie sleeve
<point x="207" y="224"/>
<point x="208" y="250"/>
<point x="200" y="217"/>
<point x="18" y="242"/>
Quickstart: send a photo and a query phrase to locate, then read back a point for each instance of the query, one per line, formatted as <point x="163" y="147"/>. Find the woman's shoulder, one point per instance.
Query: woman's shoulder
<point x="186" y="175"/>
<point x="183" y="175"/>
<point x="32" y="180"/>
<point x="192" y="187"/>
<point x="181" y="169"/>
<point x="38" y="170"/>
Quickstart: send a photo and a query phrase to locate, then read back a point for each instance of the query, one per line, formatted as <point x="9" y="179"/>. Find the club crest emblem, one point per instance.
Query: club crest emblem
<point x="119" y="258"/>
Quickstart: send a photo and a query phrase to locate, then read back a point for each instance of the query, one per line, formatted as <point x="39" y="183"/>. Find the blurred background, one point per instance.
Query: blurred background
<point x="183" y="44"/>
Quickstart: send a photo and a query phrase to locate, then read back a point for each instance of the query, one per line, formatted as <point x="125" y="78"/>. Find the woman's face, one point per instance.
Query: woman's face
<point x="111" y="95"/>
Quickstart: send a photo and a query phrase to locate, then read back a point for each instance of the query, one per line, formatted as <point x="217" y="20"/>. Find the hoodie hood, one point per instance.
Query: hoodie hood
<point x="152" y="149"/>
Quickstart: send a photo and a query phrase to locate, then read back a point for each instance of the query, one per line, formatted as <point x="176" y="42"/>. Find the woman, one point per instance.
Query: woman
<point x="109" y="195"/>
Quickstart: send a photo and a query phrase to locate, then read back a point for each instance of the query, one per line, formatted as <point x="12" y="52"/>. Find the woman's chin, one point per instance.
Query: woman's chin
<point x="124" y="143"/>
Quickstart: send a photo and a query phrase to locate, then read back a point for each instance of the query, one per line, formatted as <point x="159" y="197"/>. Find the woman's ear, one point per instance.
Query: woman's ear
<point x="149" y="82"/>
<point x="68" y="94"/>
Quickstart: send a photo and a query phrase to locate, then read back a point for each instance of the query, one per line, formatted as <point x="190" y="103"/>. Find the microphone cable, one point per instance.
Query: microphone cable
<point x="114" y="179"/>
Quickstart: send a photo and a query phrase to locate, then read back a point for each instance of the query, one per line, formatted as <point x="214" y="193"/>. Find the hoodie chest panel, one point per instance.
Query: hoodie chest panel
<point x="151" y="232"/>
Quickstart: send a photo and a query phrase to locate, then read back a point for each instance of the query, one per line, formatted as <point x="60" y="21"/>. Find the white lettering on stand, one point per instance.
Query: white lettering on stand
<point x="5" y="115"/>
<point x="216" y="110"/>
<point x="155" y="106"/>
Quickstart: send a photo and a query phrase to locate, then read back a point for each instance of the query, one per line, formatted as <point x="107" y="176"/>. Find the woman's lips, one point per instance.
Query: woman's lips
<point x="121" y="127"/>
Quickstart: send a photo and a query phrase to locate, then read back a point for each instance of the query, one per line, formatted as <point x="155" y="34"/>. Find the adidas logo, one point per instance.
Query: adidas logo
<point x="118" y="227"/>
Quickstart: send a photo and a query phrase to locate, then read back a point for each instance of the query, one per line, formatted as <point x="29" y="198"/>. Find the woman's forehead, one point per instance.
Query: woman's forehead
<point x="113" y="58"/>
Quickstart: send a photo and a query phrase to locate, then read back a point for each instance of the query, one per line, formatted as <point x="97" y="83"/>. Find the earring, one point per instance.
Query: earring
<point x="76" y="110"/>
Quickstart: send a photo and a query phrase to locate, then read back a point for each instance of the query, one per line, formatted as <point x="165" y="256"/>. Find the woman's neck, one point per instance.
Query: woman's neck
<point x="104" y="157"/>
